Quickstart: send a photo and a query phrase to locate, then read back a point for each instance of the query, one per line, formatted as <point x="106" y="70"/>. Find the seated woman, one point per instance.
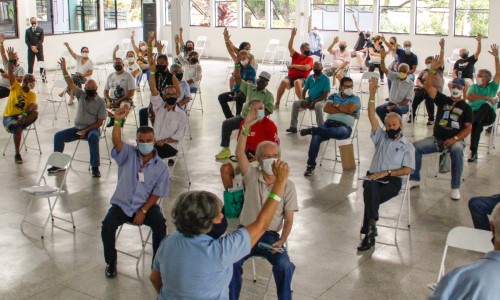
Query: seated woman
<point x="142" y="59"/>
<point x="191" y="65"/>
<point x="84" y="69"/>
<point x="373" y="58"/>
<point x="233" y="51"/>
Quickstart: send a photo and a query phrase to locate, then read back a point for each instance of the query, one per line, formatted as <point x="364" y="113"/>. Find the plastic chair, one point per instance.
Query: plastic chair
<point x="354" y="135"/>
<point x="280" y="57"/>
<point x="364" y="79"/>
<point x="32" y="127"/>
<point x="269" y="53"/>
<point x="180" y="152"/>
<point x="102" y="136"/>
<point x="53" y="98"/>
<point x="312" y="114"/>
<point x="200" y="46"/>
<point x="455" y="55"/>
<point x="42" y="190"/>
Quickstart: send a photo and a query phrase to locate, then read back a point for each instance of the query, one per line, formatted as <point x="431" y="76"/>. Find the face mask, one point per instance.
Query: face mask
<point x="90" y="93"/>
<point x="307" y="52"/>
<point x="392" y="43"/>
<point x="393" y="133"/>
<point x="33" y="25"/>
<point x="161" y="68"/>
<point x="189" y="49"/>
<point x="317" y="72"/>
<point x="348" y="91"/>
<point x="179" y="76"/>
<point x="193" y="60"/>
<point x="31" y="85"/>
<point x="244" y="62"/>
<point x="143" y="48"/>
<point x="428" y="66"/>
<point x="367" y="36"/>
<point x="261" y="114"/>
<point x="401" y="75"/>
<point x="85" y="54"/>
<point x="464" y="55"/>
<point x="171" y="100"/>
<point x="456" y="93"/>
<point x="315" y="31"/>
<point x="408" y="50"/>
<point x="342" y="47"/>
<point x="479" y="80"/>
<point x="118" y="67"/>
<point x="145" y="148"/>
<point x="267" y="165"/>
<point x="131" y="59"/>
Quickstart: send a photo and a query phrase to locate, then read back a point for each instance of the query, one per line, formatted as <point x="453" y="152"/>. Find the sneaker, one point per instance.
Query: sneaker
<point x="455" y="194"/>
<point x="224" y="153"/>
<point x="309" y="171"/>
<point x="52" y="170"/>
<point x="95" y="172"/>
<point x="110" y="270"/>
<point x="18" y="159"/>
<point x="306" y="131"/>
<point x="110" y="123"/>
<point x="429" y="123"/>
<point x="414" y="184"/>
<point x="171" y="162"/>
<point x="291" y="130"/>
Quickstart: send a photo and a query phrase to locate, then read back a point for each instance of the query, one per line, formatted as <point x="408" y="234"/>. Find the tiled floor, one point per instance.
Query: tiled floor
<point x="67" y="265"/>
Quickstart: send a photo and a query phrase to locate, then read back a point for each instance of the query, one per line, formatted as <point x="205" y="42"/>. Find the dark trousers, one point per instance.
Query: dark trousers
<point x="116" y="217"/>
<point x="372" y="67"/>
<point x="224" y="98"/>
<point x="421" y="95"/>
<point x="143" y="117"/>
<point x="31" y="61"/>
<point x="228" y="126"/>
<point x="4" y="92"/>
<point x="69" y="135"/>
<point x="480" y="208"/>
<point x="283" y="268"/>
<point x="324" y="132"/>
<point x="165" y="151"/>
<point x="375" y="193"/>
<point x="484" y="116"/>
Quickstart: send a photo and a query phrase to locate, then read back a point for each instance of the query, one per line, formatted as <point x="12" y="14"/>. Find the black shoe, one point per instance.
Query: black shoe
<point x="306" y="131"/>
<point x="369" y="239"/>
<point x="364" y="230"/>
<point x="429" y="123"/>
<point x="54" y="170"/>
<point x="95" y="172"/>
<point x="171" y="162"/>
<point x="386" y="99"/>
<point x="291" y="130"/>
<point x="110" y="122"/>
<point x="472" y="157"/>
<point x="18" y="159"/>
<point x="309" y="171"/>
<point x="409" y="120"/>
<point x="110" y="270"/>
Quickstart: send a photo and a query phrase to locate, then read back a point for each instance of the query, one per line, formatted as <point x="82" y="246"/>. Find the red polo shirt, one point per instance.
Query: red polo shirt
<point x="264" y="130"/>
<point x="298" y="59"/>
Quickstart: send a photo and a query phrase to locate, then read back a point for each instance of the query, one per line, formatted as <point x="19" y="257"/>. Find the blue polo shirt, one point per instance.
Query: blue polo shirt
<point x="391" y="154"/>
<point x="199" y="267"/>
<point x="248" y="73"/>
<point x="317" y="86"/>
<point x="131" y="194"/>
<point x="341" y="117"/>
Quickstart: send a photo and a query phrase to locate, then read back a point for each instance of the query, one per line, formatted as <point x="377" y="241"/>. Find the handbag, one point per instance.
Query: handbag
<point x="444" y="161"/>
<point x="233" y="203"/>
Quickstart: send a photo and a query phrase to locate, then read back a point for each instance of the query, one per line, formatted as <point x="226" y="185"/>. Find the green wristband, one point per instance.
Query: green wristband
<point x="237" y="65"/>
<point x="275" y="197"/>
<point x="432" y="71"/>
<point x="119" y="122"/>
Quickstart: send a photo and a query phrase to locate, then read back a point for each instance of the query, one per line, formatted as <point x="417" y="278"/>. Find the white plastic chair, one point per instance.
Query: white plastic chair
<point x="32" y="127"/>
<point x="269" y="53"/>
<point x="200" y="46"/>
<point x="354" y="136"/>
<point x="102" y="136"/>
<point x="180" y="152"/>
<point x="42" y="190"/>
<point x="364" y="79"/>
<point x="280" y="58"/>
<point x="53" y="98"/>
<point x="455" y="55"/>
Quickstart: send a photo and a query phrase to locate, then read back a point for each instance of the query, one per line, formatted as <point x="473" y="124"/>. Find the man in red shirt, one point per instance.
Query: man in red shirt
<point x="298" y="70"/>
<point x="263" y="130"/>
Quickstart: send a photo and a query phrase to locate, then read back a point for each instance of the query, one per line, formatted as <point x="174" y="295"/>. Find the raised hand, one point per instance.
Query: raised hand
<point x="494" y="50"/>
<point x="336" y="40"/>
<point x="441" y="43"/>
<point x="252" y="117"/>
<point x="2" y="37"/>
<point x="132" y="34"/>
<point x="176" y="39"/>
<point x="435" y="63"/>
<point x="116" y="48"/>
<point x="281" y="170"/>
<point x="226" y="35"/>
<point x="373" y="85"/>
<point x="151" y="38"/>
<point x="294" y="31"/>
<point x="121" y="113"/>
<point x="62" y="63"/>
<point x="159" y="45"/>
<point x="478" y="38"/>
<point x="66" y="44"/>
<point x="11" y="53"/>
<point x="181" y="30"/>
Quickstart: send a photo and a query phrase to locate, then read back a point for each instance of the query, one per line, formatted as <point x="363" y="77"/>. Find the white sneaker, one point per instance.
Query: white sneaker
<point x="414" y="184"/>
<point x="455" y="194"/>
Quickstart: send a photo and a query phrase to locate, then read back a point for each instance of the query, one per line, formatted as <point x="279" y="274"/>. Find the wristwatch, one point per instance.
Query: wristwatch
<point x="456" y="138"/>
<point x="144" y="211"/>
<point x="389" y="172"/>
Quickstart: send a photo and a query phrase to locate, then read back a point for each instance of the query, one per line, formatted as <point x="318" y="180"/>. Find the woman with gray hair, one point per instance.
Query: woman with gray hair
<point x="192" y="265"/>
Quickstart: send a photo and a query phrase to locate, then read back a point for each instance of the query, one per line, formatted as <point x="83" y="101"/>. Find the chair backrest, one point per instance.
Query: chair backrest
<point x="368" y="75"/>
<point x="469" y="239"/>
<point x="455" y="55"/>
<point x="272" y="44"/>
<point x="280" y="54"/>
<point x="200" y="41"/>
<point x="60" y="160"/>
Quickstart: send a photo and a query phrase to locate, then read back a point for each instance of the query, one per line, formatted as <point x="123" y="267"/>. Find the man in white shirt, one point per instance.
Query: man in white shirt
<point x="341" y="60"/>
<point x="185" y="93"/>
<point x="120" y="87"/>
<point x="315" y="40"/>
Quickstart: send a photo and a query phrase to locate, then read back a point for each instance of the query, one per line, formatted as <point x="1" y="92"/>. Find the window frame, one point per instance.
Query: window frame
<point x="346" y="5"/>
<point x="338" y="12"/>
<point x="455" y="9"/>
<point x="416" y="19"/>
<point x="165" y="13"/>
<point x="380" y="19"/>
<point x="116" y="18"/>
<point x="215" y="12"/>
<point x="242" y="13"/>
<point x="210" y="23"/>
<point x="271" y="14"/>
<point x="15" y="22"/>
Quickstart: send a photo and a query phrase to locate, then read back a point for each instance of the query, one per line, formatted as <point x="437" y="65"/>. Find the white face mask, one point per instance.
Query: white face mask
<point x="479" y="80"/>
<point x="85" y="54"/>
<point x="456" y="93"/>
<point x="143" y="48"/>
<point x="408" y="50"/>
<point x="31" y="85"/>
<point x="348" y="92"/>
<point x="261" y="114"/>
<point x="315" y="31"/>
<point x="131" y="59"/>
<point x="428" y="66"/>
<point x="244" y="62"/>
<point x="267" y="165"/>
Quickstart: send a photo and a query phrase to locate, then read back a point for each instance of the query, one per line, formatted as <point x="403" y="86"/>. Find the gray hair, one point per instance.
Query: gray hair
<point x="193" y="212"/>
<point x="495" y="222"/>
<point x="404" y="65"/>
<point x="487" y="72"/>
<point x="175" y="67"/>
<point x="258" y="151"/>
<point x="393" y="115"/>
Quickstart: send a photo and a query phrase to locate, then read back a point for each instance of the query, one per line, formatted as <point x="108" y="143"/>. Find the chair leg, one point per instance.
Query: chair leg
<point x="254" y="272"/>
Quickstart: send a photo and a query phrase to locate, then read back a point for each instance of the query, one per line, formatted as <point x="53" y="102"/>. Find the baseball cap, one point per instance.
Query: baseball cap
<point x="458" y="82"/>
<point x="265" y="75"/>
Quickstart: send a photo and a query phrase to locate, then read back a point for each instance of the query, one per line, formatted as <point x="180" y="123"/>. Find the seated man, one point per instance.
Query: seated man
<point x="342" y="108"/>
<point x="21" y="109"/>
<point x="401" y="92"/>
<point x="315" y="40"/>
<point x="360" y="48"/>
<point x="185" y="94"/>
<point x="341" y="60"/>
<point x="247" y="74"/>
<point x="454" y="124"/>
<point x="263" y="130"/>
<point x="464" y="66"/>
<point x="318" y="86"/>
<point x="478" y="280"/>
<point x="89" y="118"/>
<point x="142" y="180"/>
<point x="258" y="184"/>
<point x="404" y="56"/>
<point x="480" y="208"/>
<point x="482" y="99"/>
<point x="170" y="120"/>
<point x="4" y="76"/>
<point x="394" y="157"/>
<point x="298" y="70"/>
<point x="120" y="87"/>
<point x="252" y="92"/>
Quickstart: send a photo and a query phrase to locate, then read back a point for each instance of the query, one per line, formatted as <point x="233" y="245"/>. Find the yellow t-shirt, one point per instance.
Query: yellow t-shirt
<point x="18" y="100"/>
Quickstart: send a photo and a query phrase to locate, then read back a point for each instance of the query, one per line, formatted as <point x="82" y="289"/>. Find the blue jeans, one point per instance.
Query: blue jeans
<point x="193" y="89"/>
<point x="480" y="207"/>
<point x="139" y="77"/>
<point x="327" y="130"/>
<point x="69" y="135"/>
<point x="283" y="268"/>
<point x="382" y="110"/>
<point x="432" y="145"/>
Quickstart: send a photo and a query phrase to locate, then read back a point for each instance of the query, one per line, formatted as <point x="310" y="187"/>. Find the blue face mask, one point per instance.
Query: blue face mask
<point x="145" y="148"/>
<point x="261" y="114"/>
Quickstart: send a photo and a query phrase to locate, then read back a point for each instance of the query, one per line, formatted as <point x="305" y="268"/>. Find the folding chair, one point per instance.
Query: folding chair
<point x="312" y="114"/>
<point x="180" y="151"/>
<point x="42" y="190"/>
<point x="280" y="58"/>
<point x="364" y="79"/>
<point x="102" y="136"/>
<point x="32" y="127"/>
<point x="455" y="55"/>
<point x="467" y="239"/>
<point x="354" y="135"/>
<point x="198" y="92"/>
<point x="200" y="46"/>
<point x="53" y="98"/>
<point x="270" y="51"/>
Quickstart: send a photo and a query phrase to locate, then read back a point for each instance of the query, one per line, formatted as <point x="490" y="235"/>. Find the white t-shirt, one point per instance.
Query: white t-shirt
<point x="18" y="71"/>
<point x="119" y="85"/>
<point x="132" y="67"/>
<point x="83" y="68"/>
<point x="339" y="58"/>
<point x="191" y="72"/>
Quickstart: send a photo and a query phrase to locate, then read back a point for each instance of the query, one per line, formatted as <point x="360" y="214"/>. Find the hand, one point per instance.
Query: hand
<point x="435" y="62"/>
<point x="441" y="43"/>
<point x="290" y="67"/>
<point x="382" y="37"/>
<point x="304" y="103"/>
<point x="494" y="50"/>
<point x="281" y="171"/>
<point x="121" y="113"/>
<point x="151" y="38"/>
<point x="181" y="30"/>
<point x="378" y="175"/>
<point x="237" y="60"/>
<point x="82" y="133"/>
<point x="159" y="46"/>
<point x="226" y="35"/>
<point x="252" y="117"/>
<point x="294" y="31"/>
<point x="336" y="40"/>
<point x="139" y="218"/>
<point x="66" y="44"/>
<point x="10" y="53"/>
<point x="279" y="244"/>
<point x="160" y="143"/>
<point x="108" y="106"/>
<point x="116" y="48"/>
<point x="34" y="49"/>
<point x="176" y="39"/>
<point x="383" y="53"/>
<point x="478" y="38"/>
<point x="170" y="140"/>
<point x="62" y="63"/>
<point x="449" y="142"/>
<point x="373" y="85"/>
<point x="132" y="34"/>
<point x="2" y="37"/>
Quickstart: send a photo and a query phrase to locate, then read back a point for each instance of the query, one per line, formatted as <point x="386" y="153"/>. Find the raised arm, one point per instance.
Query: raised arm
<point x="71" y="52"/>
<point x="494" y="52"/>
<point x="388" y="45"/>
<point x="177" y="41"/>
<point x="478" y="50"/>
<point x="152" y="77"/>
<point x="356" y="23"/>
<point x="250" y="119"/>
<point x="12" y="61"/>
<point x="67" y="78"/>
<point x="429" y="87"/>
<point x="372" y="116"/>
<point x="120" y="114"/>
<point x="441" y="53"/>
<point x="309" y="23"/>
<point x="383" y="54"/>
<point x="2" y="47"/>
<point x="132" y="41"/>
<point x="117" y="47"/>
<point x="229" y="44"/>
<point x="237" y="70"/>
<point x="151" y="42"/>
<point x="335" y="41"/>
<point x="181" y="40"/>
<point x="177" y="86"/>
<point x="290" y="42"/>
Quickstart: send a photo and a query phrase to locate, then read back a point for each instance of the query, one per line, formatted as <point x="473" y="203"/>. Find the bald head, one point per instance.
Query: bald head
<point x="91" y="84"/>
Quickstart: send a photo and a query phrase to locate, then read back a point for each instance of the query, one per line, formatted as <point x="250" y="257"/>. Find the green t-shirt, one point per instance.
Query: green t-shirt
<point x="490" y="90"/>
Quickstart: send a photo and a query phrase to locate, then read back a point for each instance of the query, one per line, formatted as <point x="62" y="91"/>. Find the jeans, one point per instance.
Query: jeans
<point x="69" y="135"/>
<point x="228" y="126"/>
<point x="318" y="54"/>
<point x="480" y="207"/>
<point x="484" y="116"/>
<point x="193" y="89"/>
<point x="318" y="108"/>
<point x="116" y="217"/>
<point x="376" y="193"/>
<point x="429" y="104"/>
<point x="143" y="117"/>
<point x="432" y="145"/>
<point x="327" y="130"/>
<point x="382" y="110"/>
<point x="139" y="77"/>
<point x="224" y="98"/>
<point x="283" y="268"/>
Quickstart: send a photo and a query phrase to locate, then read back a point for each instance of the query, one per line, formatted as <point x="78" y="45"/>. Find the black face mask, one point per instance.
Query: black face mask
<point x="392" y="43"/>
<point x="33" y="24"/>
<point x="179" y="76"/>
<point x="307" y="52"/>
<point x="171" y="100"/>
<point x="393" y="133"/>
<point x="189" y="49"/>
<point x="161" y="68"/>
<point x="193" y="60"/>
<point x="342" y="47"/>
<point x="90" y="93"/>
<point x="118" y="67"/>
<point x="317" y="72"/>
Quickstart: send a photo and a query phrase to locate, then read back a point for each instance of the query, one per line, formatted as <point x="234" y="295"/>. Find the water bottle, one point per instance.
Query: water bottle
<point x="459" y="74"/>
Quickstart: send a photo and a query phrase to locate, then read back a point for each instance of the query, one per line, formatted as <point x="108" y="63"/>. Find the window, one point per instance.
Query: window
<point x="253" y="13"/>
<point x="471" y="17"/>
<point x="325" y="14"/>
<point x="8" y="18"/>
<point x="226" y="12"/>
<point x="283" y="13"/>
<point x="394" y="16"/>
<point x="59" y="17"/>
<point x="168" y="13"/>
<point x="432" y="17"/>
<point x="200" y="12"/>
<point x="362" y="10"/>
<point x="122" y="13"/>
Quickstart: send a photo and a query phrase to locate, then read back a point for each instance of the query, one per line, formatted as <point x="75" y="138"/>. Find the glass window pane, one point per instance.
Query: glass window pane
<point x="362" y="10"/>
<point x="394" y="16"/>
<point x="129" y="13"/>
<point x="110" y="14"/>
<point x="200" y="12"/>
<point x="227" y="15"/>
<point x="168" y="13"/>
<point x="283" y="13"/>
<point x="471" y="17"/>
<point x="325" y="14"/>
<point x="254" y="13"/>
<point x="8" y="18"/>
<point x="44" y="15"/>
<point x="475" y="4"/>
<point x="432" y="17"/>
<point x="90" y="15"/>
